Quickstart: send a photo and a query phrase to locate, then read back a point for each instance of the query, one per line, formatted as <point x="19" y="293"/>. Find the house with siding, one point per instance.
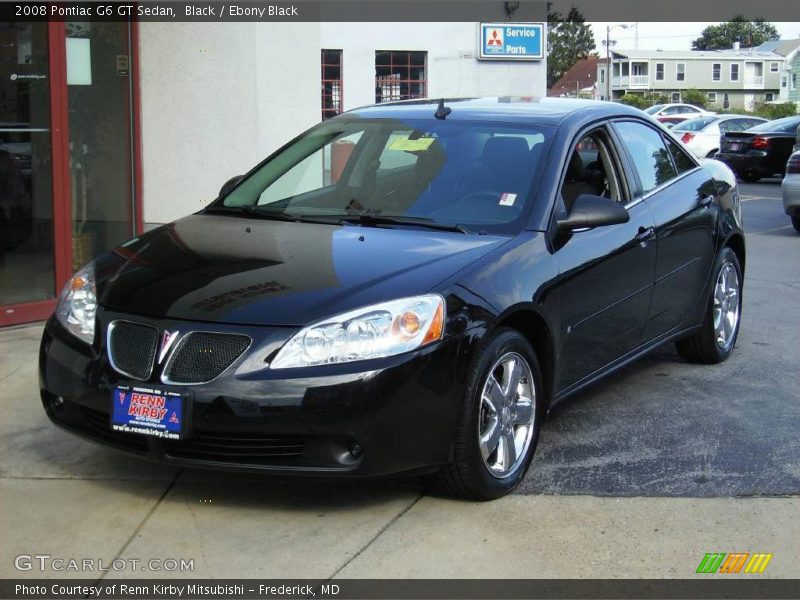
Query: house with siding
<point x="737" y="78"/>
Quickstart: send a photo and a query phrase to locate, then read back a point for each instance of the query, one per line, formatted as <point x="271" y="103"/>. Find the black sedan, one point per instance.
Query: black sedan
<point x="761" y="151"/>
<point x="405" y="288"/>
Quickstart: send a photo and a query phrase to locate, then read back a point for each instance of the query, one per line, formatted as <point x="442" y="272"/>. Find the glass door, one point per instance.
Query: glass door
<point x="27" y="259"/>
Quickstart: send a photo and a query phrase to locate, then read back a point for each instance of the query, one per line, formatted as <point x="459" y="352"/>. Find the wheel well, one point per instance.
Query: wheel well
<point x="736" y="243"/>
<point x="533" y="326"/>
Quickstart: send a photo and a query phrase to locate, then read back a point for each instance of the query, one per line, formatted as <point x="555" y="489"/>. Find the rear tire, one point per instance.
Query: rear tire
<point x="716" y="338"/>
<point x="479" y="470"/>
<point x="749" y="177"/>
<point x="796" y="223"/>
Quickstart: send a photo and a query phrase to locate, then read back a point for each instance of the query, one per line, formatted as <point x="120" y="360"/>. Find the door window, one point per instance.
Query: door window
<point x="650" y="157"/>
<point x="591" y="170"/>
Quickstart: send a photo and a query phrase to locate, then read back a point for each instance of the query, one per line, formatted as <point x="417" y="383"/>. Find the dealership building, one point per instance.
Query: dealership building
<point x="108" y="129"/>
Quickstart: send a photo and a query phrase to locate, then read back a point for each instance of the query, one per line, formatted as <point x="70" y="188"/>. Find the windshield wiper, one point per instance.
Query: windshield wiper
<point x="261" y="212"/>
<point x="372" y="220"/>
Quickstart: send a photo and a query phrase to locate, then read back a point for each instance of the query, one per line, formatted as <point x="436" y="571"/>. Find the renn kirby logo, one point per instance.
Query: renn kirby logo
<point x="735" y="562"/>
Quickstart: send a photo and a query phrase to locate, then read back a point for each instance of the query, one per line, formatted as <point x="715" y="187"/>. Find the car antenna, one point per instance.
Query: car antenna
<point x="442" y="111"/>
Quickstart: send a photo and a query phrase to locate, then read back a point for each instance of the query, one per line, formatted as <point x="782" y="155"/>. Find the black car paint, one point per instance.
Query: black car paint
<point x="759" y="162"/>
<point x="589" y="301"/>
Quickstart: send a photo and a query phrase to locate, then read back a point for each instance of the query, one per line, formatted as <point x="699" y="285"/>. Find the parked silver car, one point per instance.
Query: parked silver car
<point x="701" y="135"/>
<point x="791" y="190"/>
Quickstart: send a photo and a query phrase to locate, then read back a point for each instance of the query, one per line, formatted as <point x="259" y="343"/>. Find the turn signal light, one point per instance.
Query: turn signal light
<point x="760" y="143"/>
<point x="687" y="137"/>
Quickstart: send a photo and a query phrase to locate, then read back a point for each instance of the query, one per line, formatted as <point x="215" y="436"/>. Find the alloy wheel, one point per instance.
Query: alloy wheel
<point x="726" y="305"/>
<point x="507" y="414"/>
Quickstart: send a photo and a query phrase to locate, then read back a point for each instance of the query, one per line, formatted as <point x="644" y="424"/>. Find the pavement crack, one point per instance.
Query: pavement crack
<point x="144" y="520"/>
<point x="381" y="531"/>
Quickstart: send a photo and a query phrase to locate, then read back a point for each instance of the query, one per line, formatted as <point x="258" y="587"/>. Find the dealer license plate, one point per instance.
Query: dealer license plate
<point x="734" y="146"/>
<point x="147" y="411"/>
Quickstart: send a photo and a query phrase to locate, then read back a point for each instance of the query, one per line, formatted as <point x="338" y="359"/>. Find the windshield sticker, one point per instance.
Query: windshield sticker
<point x="507" y="199"/>
<point x="407" y="145"/>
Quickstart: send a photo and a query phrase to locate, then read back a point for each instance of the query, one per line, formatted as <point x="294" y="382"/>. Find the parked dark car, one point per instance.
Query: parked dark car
<point x="405" y="288"/>
<point x="761" y="151"/>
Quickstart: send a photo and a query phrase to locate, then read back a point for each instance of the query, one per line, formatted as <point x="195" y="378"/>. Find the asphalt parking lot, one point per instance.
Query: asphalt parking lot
<point x="637" y="477"/>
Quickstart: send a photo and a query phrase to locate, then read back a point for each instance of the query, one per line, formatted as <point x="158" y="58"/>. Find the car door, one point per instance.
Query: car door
<point x="682" y="199"/>
<point x="606" y="273"/>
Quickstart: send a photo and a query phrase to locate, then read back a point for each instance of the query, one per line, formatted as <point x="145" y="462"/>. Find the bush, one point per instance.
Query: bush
<point x="636" y="100"/>
<point x="694" y="97"/>
<point x="775" y="111"/>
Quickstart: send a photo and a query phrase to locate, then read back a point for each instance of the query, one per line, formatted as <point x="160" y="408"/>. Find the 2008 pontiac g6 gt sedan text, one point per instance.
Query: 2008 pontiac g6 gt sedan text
<point x="405" y="288"/>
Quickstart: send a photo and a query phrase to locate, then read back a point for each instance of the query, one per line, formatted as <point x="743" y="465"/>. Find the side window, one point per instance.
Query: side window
<point x="683" y="161"/>
<point x="591" y="170"/>
<point x="650" y="156"/>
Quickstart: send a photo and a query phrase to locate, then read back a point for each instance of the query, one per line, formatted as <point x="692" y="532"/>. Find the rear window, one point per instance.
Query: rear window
<point x="654" y="109"/>
<point x="785" y="125"/>
<point x="694" y="124"/>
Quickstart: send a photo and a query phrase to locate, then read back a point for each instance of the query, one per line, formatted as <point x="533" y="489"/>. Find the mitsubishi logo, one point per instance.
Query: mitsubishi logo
<point x="167" y="339"/>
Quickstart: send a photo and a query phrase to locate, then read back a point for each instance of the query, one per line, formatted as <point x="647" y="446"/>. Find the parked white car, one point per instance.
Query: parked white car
<point x="701" y="135"/>
<point x="791" y="190"/>
<point x="674" y="113"/>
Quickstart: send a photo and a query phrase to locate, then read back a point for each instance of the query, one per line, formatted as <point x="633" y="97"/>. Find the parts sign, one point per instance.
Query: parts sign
<point x="512" y="41"/>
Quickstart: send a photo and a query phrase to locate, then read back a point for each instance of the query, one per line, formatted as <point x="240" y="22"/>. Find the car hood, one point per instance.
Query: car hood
<point x="257" y="272"/>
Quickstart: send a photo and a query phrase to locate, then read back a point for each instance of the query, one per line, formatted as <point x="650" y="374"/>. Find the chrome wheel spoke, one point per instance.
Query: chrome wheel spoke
<point x="523" y="412"/>
<point x="509" y="447"/>
<point x="491" y="438"/>
<point x="725" y="309"/>
<point x="513" y="374"/>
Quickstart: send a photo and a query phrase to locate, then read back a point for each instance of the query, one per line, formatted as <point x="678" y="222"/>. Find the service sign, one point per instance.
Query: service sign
<point x="512" y="41"/>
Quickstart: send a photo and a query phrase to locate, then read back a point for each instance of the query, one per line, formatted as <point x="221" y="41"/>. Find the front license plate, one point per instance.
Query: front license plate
<point x="147" y="411"/>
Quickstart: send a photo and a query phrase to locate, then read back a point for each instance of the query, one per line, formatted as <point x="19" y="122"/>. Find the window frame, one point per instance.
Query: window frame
<point x="769" y="96"/>
<point x="776" y="64"/>
<point x="633" y="175"/>
<point x="680" y="75"/>
<point x="663" y="71"/>
<point x="672" y="97"/>
<point x="392" y="66"/>
<point x="716" y="68"/>
<point x="738" y="72"/>
<point x="709" y="97"/>
<point x="328" y="113"/>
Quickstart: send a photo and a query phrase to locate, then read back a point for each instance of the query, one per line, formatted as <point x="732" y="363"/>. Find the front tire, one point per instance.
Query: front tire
<point x="715" y="339"/>
<point x="500" y="420"/>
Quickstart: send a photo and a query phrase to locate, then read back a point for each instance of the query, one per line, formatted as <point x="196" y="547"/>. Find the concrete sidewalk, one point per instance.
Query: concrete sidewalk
<point x="68" y="498"/>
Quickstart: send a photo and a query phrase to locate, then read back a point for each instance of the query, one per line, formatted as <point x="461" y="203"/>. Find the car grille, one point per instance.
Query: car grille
<point x="244" y="448"/>
<point x="98" y="425"/>
<point x="203" y="356"/>
<point x="132" y="348"/>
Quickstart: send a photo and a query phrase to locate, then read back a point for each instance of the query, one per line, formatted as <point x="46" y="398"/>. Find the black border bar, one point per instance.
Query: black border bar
<point x="706" y="587"/>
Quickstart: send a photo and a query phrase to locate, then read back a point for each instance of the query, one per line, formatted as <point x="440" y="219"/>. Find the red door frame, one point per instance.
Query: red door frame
<point x="62" y="186"/>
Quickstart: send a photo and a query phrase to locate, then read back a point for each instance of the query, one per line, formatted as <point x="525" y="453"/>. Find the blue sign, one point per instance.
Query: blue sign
<point x="512" y="41"/>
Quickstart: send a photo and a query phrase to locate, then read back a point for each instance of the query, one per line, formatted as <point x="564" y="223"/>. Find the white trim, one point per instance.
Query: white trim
<point x="663" y="71"/>
<point x="776" y="64"/>
<point x="713" y="68"/>
<point x="683" y="64"/>
<point x="712" y="97"/>
<point x="738" y="72"/>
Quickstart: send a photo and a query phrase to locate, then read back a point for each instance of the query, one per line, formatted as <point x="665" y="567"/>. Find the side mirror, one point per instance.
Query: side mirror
<point x="593" y="211"/>
<point x="229" y="185"/>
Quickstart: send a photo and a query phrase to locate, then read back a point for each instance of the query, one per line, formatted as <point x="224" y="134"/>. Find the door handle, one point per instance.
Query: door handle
<point x="706" y="202"/>
<point x="645" y="234"/>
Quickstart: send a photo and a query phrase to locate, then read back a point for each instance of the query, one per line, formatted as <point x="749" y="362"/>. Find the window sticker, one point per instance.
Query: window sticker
<point x="507" y="199"/>
<point x="407" y="145"/>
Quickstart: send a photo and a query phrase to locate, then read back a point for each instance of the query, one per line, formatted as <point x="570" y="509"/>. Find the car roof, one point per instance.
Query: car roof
<point x="527" y="109"/>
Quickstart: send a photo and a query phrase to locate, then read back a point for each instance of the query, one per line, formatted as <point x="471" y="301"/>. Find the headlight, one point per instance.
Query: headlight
<point x="77" y="304"/>
<point x="372" y="332"/>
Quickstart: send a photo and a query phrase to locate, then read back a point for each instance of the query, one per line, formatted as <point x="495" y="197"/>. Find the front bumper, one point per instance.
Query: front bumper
<point x="366" y="419"/>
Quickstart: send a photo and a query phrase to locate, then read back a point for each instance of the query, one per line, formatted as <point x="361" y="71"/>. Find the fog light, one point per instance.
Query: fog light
<point x="58" y="402"/>
<point x="356" y="449"/>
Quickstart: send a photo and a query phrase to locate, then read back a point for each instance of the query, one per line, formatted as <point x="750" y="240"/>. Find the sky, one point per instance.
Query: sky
<point x="668" y="36"/>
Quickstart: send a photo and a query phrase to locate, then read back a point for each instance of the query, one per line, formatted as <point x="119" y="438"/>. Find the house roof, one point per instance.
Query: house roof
<point x="786" y="47"/>
<point x="582" y="75"/>
<point x="742" y="53"/>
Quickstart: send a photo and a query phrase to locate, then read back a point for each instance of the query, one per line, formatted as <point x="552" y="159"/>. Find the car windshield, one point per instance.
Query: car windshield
<point x="695" y="124"/>
<point x="787" y="124"/>
<point x="654" y="109"/>
<point x="476" y="175"/>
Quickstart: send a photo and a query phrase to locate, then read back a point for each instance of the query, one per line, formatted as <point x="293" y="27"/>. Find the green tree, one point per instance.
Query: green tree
<point x="636" y="100"/>
<point x="569" y="40"/>
<point x="694" y="97"/>
<point x="747" y="33"/>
